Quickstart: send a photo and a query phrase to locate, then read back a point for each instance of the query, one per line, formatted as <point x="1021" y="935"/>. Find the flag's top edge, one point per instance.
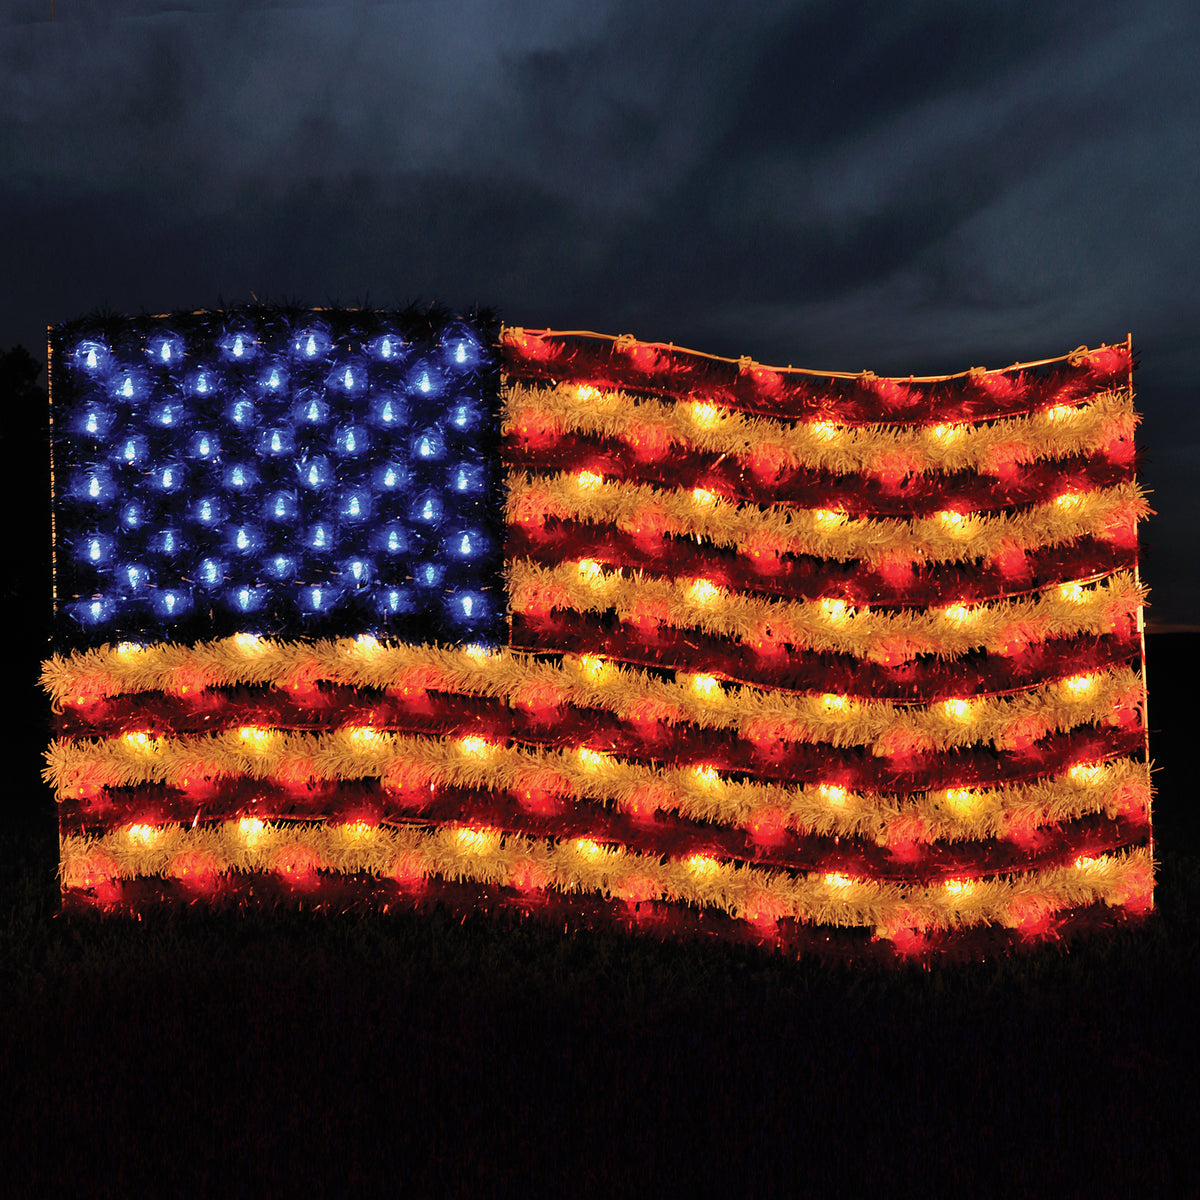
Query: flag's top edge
<point x="540" y="344"/>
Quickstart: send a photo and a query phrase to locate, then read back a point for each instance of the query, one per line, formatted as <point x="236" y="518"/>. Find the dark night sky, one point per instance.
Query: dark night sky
<point x="906" y="187"/>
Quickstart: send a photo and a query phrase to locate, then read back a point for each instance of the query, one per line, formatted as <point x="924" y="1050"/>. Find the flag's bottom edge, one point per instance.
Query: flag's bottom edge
<point x="362" y="895"/>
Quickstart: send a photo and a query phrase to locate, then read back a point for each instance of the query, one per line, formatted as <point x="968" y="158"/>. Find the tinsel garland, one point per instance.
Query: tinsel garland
<point x="464" y="852"/>
<point x="603" y="363"/>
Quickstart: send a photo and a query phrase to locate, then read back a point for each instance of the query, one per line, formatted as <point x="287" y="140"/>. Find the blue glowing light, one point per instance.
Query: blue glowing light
<point x="241" y="411"/>
<point x="247" y="598"/>
<point x="348" y="377"/>
<point x="210" y="573"/>
<point x="355" y="505"/>
<point x="467" y="478"/>
<point x="171" y="602"/>
<point x="391" y="538"/>
<point x="273" y="379"/>
<point x="165" y="348"/>
<point x="208" y="511"/>
<point x="96" y="549"/>
<point x="282" y="507"/>
<point x="468" y="607"/>
<point x="203" y="382"/>
<point x="320" y="536"/>
<point x="352" y="440"/>
<point x="240" y="477"/>
<point x="239" y="345"/>
<point x="95" y="486"/>
<point x="94" y="420"/>
<point x="311" y="410"/>
<point x="204" y="446"/>
<point x="129" y="385"/>
<point x="396" y="601"/>
<point x="388" y="347"/>
<point x="429" y="575"/>
<point x="132" y="516"/>
<point x="426" y="508"/>
<point x="281" y="566"/>
<point x="276" y="442"/>
<point x="389" y="411"/>
<point x="428" y="446"/>
<point x="166" y="542"/>
<point x="244" y="539"/>
<point x="134" y="577"/>
<point x="91" y="357"/>
<point x="168" y="478"/>
<point x="316" y="473"/>
<point x="390" y="477"/>
<point x="132" y="450"/>
<point x="465" y="415"/>
<point x="311" y="342"/>
<point x="467" y="543"/>
<point x="356" y="572"/>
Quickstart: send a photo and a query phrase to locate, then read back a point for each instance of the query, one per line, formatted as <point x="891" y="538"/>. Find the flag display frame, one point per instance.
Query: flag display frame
<point x="826" y="662"/>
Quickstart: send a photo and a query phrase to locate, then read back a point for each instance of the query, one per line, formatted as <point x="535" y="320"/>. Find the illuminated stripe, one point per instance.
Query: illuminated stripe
<point x="749" y="529"/>
<point x="691" y="427"/>
<point x="588" y="866"/>
<point x="826" y="625"/>
<point x="698" y="792"/>
<point x="629" y="694"/>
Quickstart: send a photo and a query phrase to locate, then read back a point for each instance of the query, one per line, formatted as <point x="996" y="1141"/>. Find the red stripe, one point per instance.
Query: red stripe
<point x="924" y="680"/>
<point x="602" y="364"/>
<point x="366" y="894"/>
<point x="858" y="495"/>
<point x="665" y="834"/>
<point x="803" y="577"/>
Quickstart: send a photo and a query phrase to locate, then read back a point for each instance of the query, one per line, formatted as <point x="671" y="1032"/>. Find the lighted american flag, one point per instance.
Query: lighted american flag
<point x="821" y="661"/>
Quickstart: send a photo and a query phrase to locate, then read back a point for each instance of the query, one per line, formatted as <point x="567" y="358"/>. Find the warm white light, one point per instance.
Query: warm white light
<point x="702" y="864"/>
<point x="706" y="686"/>
<point x="251" y="829"/>
<point x="705" y="415"/>
<point x="593" y="667"/>
<point x="702" y="591"/>
<point x="592" y="760"/>
<point x="1079" y="686"/>
<point x="835" y="610"/>
<point x="960" y="614"/>
<point x="825" y="430"/>
<point x="589" y="479"/>
<point x="960" y="710"/>
<point x="142" y="834"/>
<point x="476" y="841"/>
<point x="961" y="800"/>
<point x="837" y="880"/>
<point x="1074" y="592"/>
<point x="832" y="793"/>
